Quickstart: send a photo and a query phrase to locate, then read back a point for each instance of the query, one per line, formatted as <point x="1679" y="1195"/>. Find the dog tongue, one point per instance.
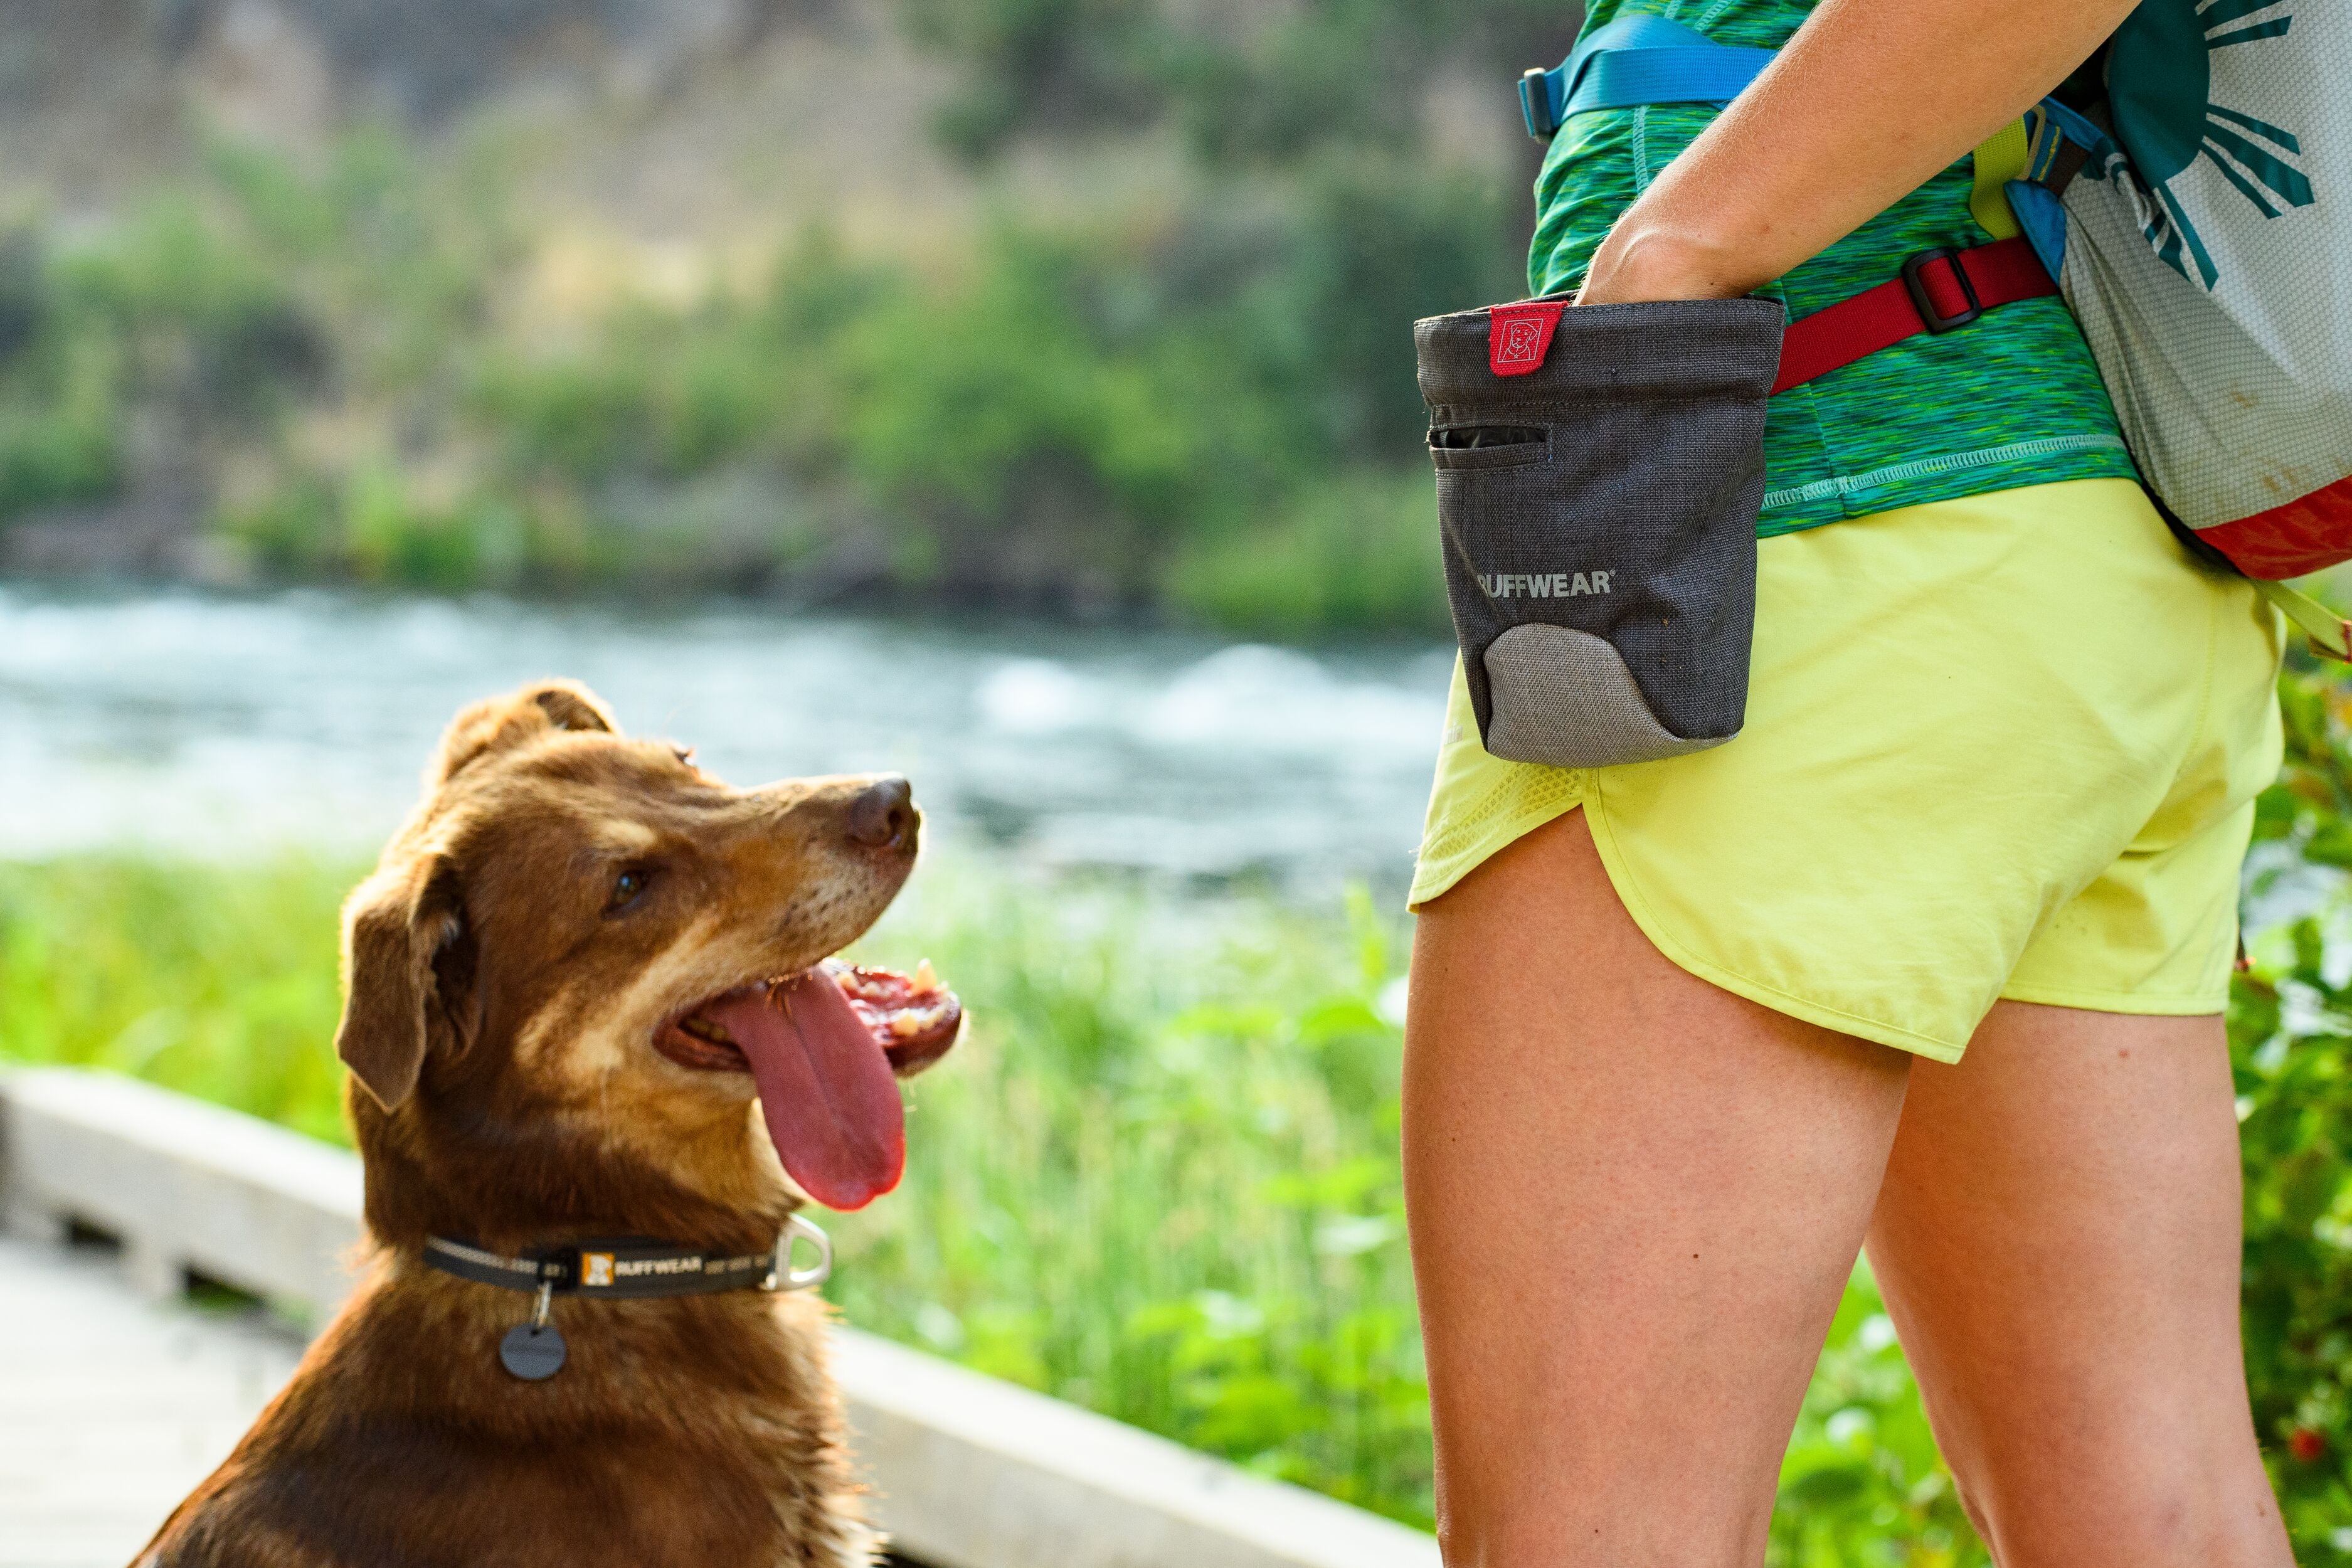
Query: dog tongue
<point x="825" y="1088"/>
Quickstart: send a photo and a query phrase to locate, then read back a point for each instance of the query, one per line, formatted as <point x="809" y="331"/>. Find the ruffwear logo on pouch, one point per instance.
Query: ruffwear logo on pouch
<point x="1518" y="336"/>
<point x="1522" y="343"/>
<point x="1544" y="586"/>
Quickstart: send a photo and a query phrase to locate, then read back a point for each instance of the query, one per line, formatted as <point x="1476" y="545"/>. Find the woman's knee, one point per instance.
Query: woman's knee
<point x="2144" y="1508"/>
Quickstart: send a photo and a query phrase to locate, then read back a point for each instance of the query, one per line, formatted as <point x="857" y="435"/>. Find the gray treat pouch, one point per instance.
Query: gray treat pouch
<point x="1600" y="470"/>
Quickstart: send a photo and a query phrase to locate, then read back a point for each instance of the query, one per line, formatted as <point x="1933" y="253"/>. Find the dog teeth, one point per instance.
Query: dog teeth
<point x="917" y="1021"/>
<point x="926" y="979"/>
<point x="702" y="1028"/>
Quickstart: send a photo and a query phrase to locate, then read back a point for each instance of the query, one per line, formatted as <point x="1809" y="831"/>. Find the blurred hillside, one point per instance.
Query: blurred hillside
<point x="1088" y="306"/>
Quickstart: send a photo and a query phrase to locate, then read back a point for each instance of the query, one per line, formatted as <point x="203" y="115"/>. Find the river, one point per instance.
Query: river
<point x="181" y="722"/>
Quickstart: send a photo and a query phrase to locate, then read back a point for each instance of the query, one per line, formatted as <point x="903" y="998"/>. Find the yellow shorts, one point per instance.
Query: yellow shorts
<point x="2002" y="746"/>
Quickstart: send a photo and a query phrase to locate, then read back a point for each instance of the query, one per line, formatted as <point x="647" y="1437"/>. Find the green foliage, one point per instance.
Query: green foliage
<point x="1362" y="553"/>
<point x="216" y="982"/>
<point x="375" y="528"/>
<point x="1371" y="254"/>
<point x="59" y="391"/>
<point x="1162" y="1180"/>
<point x="58" y="438"/>
<point x="655" y="393"/>
<point x="2291" y="1037"/>
<point x="1862" y="1483"/>
<point x="1062" y="64"/>
<point x="1255" y="85"/>
<point x="1081" y="415"/>
<point x="200" y="323"/>
<point x="219" y="309"/>
<point x="1163" y="400"/>
<point x="1005" y="405"/>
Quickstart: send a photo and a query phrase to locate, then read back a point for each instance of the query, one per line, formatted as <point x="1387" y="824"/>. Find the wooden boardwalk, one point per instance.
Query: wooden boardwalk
<point x="112" y="1408"/>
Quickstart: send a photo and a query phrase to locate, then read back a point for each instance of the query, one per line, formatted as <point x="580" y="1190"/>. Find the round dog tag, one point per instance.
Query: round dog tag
<point x="531" y="1353"/>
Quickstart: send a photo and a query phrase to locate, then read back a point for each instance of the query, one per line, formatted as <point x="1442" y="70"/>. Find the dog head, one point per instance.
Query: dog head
<point x="583" y="960"/>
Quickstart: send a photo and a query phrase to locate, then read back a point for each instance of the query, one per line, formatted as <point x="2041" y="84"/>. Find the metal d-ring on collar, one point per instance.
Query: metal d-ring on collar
<point x="629" y="1270"/>
<point x="785" y="1277"/>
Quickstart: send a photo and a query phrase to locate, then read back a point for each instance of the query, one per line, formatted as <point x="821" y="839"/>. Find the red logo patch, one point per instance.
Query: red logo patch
<point x="1518" y="336"/>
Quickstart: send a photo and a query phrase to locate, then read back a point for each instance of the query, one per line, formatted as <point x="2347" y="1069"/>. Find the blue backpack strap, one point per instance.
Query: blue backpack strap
<point x="1635" y="60"/>
<point x="2060" y="144"/>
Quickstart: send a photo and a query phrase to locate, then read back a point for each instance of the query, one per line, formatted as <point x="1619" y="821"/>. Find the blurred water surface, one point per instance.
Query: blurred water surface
<point x="238" y="726"/>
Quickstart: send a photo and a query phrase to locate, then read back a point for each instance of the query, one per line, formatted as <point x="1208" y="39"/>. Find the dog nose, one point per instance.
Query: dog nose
<point x="883" y="815"/>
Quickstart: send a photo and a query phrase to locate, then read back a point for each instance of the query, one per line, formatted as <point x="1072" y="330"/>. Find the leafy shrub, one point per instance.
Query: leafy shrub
<point x="1360" y="553"/>
<point x="1265" y="85"/>
<point x="2290" y="1044"/>
<point x="1061" y="64"/>
<point x="1862" y="1483"/>
<point x="59" y="390"/>
<point x="1000" y="405"/>
<point x="66" y="446"/>
<point x="204" y="319"/>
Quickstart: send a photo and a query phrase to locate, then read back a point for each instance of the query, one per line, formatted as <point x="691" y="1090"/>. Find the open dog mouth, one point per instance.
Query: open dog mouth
<point x="826" y="1048"/>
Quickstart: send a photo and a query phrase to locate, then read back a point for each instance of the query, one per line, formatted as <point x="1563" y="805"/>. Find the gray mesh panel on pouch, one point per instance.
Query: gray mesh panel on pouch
<point x="1599" y="518"/>
<point x="1566" y="697"/>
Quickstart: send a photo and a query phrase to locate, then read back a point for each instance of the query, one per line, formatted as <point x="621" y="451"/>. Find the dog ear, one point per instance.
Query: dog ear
<point x="570" y="706"/>
<point x="395" y="923"/>
<point x="498" y="723"/>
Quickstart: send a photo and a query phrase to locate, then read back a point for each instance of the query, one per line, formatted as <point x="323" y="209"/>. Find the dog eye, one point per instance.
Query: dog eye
<point x="627" y="888"/>
<point x="684" y="754"/>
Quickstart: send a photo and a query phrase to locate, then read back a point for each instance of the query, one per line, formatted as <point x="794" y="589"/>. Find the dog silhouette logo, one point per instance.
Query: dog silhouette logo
<point x="1518" y="336"/>
<point x="595" y="1269"/>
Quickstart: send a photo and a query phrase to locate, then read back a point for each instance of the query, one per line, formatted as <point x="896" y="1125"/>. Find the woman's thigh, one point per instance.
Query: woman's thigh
<point x="1634" y="1200"/>
<point x="2058" y="1241"/>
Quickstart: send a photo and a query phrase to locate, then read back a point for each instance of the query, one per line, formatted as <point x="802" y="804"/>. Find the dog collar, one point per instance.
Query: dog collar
<point x="628" y="1270"/>
<point x="636" y="1267"/>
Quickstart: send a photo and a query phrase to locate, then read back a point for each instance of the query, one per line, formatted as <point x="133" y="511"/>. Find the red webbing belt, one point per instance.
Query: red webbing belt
<point x="2000" y="273"/>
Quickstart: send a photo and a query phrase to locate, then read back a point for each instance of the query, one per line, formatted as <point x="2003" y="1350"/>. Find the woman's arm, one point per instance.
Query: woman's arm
<point x="1867" y="102"/>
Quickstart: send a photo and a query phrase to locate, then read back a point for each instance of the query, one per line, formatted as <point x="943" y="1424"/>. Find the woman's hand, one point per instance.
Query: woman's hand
<point x="1867" y="102"/>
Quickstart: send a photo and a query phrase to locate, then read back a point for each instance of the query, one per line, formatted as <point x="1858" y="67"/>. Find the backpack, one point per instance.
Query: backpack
<point x="2191" y="223"/>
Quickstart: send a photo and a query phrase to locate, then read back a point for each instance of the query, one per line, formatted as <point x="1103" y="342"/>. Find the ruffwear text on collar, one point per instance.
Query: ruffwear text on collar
<point x="636" y="1267"/>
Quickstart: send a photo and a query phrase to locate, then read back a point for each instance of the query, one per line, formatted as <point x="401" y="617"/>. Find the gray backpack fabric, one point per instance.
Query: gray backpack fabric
<point x="2199" y="232"/>
<point x="1598" y="475"/>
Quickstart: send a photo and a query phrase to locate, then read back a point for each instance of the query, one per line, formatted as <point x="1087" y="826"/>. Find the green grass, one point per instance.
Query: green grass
<point x="1159" y="1177"/>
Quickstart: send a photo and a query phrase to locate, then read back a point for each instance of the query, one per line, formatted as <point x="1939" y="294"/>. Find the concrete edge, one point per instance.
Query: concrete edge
<point x="968" y="1471"/>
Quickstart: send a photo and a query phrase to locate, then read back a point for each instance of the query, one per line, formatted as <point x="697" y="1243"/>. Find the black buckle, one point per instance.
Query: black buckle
<point x="1535" y="103"/>
<point x="1920" y="299"/>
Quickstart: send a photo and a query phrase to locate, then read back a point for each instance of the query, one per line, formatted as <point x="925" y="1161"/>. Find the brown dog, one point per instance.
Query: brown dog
<point x="583" y="1001"/>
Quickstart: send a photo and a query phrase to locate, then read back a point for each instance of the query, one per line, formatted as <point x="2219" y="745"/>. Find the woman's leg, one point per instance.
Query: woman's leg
<point x="1634" y="1202"/>
<point x="2058" y="1244"/>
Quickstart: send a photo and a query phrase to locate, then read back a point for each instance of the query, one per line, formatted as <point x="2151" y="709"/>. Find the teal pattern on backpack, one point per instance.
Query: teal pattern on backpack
<point x="2161" y="83"/>
<point x="2013" y="399"/>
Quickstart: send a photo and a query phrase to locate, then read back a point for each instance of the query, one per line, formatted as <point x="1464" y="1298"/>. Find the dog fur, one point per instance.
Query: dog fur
<point x="501" y="1002"/>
